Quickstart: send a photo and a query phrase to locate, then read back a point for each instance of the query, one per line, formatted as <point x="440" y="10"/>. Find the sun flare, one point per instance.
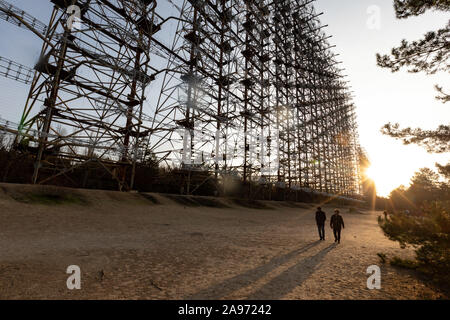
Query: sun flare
<point x="370" y="173"/>
<point x="385" y="179"/>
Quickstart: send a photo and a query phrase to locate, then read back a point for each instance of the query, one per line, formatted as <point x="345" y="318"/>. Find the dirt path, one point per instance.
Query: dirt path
<point x="129" y="248"/>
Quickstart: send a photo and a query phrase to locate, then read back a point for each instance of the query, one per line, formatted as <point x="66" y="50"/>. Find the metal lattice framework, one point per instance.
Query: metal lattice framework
<point x="90" y="82"/>
<point x="248" y="88"/>
<point x="252" y="87"/>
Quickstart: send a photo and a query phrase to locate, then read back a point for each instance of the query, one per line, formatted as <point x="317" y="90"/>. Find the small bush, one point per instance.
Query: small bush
<point x="429" y="233"/>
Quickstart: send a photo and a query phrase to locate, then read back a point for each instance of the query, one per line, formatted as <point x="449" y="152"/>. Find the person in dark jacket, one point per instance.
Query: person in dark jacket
<point x="337" y="224"/>
<point x="320" y="220"/>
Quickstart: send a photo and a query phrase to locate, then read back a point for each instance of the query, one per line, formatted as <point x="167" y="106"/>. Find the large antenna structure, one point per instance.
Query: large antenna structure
<point x="246" y="88"/>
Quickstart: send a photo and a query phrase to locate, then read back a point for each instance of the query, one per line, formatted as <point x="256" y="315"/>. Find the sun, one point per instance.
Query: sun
<point x="385" y="179"/>
<point x="371" y="173"/>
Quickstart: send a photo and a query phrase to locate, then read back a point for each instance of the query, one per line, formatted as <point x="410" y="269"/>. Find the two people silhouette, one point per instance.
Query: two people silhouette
<point x="336" y="223"/>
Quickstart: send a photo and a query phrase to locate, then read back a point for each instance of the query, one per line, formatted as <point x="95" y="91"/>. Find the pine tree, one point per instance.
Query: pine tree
<point x="430" y="55"/>
<point x="430" y="236"/>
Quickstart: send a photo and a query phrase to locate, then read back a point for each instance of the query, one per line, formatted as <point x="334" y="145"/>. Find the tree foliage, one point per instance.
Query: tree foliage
<point x="426" y="227"/>
<point x="434" y="141"/>
<point x="444" y="170"/>
<point x="425" y="187"/>
<point x="429" y="234"/>
<point x="443" y="96"/>
<point x="407" y="8"/>
<point x="430" y="55"/>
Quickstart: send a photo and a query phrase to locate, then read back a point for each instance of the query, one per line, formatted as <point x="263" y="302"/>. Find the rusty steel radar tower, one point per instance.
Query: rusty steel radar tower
<point x="89" y="86"/>
<point x="252" y="88"/>
<point x="244" y="88"/>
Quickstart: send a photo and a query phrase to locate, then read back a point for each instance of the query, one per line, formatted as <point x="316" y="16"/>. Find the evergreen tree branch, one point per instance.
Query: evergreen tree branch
<point x="407" y="8"/>
<point x="444" y="170"/>
<point x="444" y="97"/>
<point x="430" y="54"/>
<point x="434" y="141"/>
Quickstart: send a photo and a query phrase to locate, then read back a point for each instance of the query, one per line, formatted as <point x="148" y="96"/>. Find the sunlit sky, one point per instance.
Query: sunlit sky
<point x="379" y="95"/>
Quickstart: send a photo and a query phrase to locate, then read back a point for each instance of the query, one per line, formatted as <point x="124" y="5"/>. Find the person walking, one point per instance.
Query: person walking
<point x="321" y="217"/>
<point x="337" y="224"/>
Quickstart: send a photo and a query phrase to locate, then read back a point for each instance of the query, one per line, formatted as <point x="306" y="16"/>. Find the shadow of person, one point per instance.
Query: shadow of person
<point x="293" y="277"/>
<point x="224" y="288"/>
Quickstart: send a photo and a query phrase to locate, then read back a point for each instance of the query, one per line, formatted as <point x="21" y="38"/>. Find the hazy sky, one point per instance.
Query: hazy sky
<point x="380" y="96"/>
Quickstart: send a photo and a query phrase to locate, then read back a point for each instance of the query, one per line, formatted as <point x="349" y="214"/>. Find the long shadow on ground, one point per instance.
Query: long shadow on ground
<point x="242" y="280"/>
<point x="293" y="277"/>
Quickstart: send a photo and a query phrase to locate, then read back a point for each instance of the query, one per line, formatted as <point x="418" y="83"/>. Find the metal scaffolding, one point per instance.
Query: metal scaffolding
<point x="246" y="88"/>
<point x="90" y="82"/>
<point x="252" y="87"/>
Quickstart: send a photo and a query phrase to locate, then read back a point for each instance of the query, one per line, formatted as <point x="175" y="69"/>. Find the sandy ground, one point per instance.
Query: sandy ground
<point x="129" y="248"/>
